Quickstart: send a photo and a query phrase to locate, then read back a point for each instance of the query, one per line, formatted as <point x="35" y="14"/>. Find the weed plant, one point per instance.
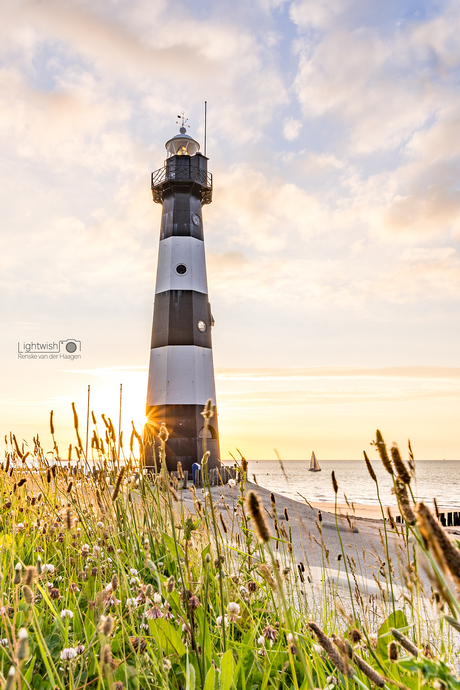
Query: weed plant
<point x="109" y="581"/>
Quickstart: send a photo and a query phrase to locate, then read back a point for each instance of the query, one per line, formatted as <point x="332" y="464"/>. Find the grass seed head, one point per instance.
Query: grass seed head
<point x="28" y="595"/>
<point x="257" y="517"/>
<point x="398" y="464"/>
<point x="370" y="469"/>
<point x="335" y="486"/>
<point x="439" y="543"/>
<point x="382" y="450"/>
<point x="266" y="573"/>
<point x="393" y="651"/>
<point x="17" y="574"/>
<point x="404" y="503"/>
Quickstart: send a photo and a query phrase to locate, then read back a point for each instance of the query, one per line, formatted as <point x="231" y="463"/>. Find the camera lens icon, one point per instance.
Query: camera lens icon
<point x="70" y="346"/>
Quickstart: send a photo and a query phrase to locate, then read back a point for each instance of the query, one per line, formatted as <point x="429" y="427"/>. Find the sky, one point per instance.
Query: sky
<point x="332" y="241"/>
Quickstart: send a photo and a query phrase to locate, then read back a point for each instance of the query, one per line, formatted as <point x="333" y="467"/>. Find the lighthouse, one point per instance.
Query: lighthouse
<point x="181" y="371"/>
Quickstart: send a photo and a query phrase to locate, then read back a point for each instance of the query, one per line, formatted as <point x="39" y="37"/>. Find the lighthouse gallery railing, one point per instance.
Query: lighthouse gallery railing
<point x="181" y="174"/>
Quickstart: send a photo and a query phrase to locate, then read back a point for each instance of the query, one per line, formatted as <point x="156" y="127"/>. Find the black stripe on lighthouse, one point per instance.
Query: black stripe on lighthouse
<point x="181" y="317"/>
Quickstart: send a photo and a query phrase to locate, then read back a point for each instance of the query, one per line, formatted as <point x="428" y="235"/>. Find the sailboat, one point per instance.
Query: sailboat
<point x="314" y="464"/>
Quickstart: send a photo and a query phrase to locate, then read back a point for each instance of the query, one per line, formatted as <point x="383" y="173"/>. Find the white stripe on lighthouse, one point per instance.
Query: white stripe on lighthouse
<point x="181" y="375"/>
<point x="181" y="251"/>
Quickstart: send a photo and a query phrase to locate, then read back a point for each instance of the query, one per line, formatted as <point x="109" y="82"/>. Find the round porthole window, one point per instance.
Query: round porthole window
<point x="201" y="325"/>
<point x="181" y="269"/>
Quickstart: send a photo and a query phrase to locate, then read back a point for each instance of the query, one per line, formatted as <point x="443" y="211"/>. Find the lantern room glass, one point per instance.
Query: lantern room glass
<point x="182" y="145"/>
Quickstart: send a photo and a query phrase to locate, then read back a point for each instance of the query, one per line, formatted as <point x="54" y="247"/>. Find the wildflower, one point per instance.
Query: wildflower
<point x="244" y="591"/>
<point x="261" y="641"/>
<point x="96" y="551"/>
<point x="54" y="594"/>
<point x="193" y="603"/>
<point x="233" y="610"/>
<point x="154" y="612"/>
<point x="231" y="483"/>
<point x="20" y="527"/>
<point x="100" y="525"/>
<point x="219" y="620"/>
<point x="80" y="648"/>
<point x="66" y="613"/>
<point x="167" y="665"/>
<point x="138" y="644"/>
<point x="252" y="586"/>
<point x="118" y="685"/>
<point x="49" y="568"/>
<point x="68" y="653"/>
<point x="269" y="632"/>
<point x="93" y="572"/>
<point x="133" y="571"/>
<point x="31" y="575"/>
<point x="157" y="598"/>
<point x="131" y="603"/>
<point x="85" y="550"/>
<point x="170" y="584"/>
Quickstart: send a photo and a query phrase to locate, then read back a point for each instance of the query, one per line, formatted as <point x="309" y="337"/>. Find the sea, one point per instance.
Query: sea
<point x="438" y="479"/>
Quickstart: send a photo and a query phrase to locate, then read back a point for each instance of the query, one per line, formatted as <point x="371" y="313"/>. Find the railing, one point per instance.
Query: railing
<point x="179" y="174"/>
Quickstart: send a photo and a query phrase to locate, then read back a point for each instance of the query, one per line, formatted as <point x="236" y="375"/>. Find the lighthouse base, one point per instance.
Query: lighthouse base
<point x="185" y="425"/>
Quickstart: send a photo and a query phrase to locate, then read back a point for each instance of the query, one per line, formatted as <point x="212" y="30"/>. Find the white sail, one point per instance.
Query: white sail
<point x="314" y="464"/>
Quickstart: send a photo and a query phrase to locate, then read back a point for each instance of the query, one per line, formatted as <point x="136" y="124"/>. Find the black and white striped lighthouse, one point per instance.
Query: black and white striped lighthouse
<point x="181" y="372"/>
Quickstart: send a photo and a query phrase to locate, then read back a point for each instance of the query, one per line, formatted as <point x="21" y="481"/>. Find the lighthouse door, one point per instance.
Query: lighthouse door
<point x="201" y="436"/>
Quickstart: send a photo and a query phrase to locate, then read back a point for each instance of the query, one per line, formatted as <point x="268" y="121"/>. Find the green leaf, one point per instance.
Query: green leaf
<point x="171" y="545"/>
<point x="190" y="677"/>
<point x="30" y="669"/>
<point x="166" y="637"/>
<point x="395" y="620"/>
<point x="210" y="679"/>
<point x="226" y="670"/>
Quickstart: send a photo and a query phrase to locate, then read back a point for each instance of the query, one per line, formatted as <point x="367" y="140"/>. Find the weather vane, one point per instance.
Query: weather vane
<point x="182" y="120"/>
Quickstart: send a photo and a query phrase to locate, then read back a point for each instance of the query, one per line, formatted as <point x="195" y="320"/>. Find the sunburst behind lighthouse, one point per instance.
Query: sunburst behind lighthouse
<point x="181" y="372"/>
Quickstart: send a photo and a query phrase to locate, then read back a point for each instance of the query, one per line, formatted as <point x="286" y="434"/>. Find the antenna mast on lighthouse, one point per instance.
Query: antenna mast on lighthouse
<point x="181" y="372"/>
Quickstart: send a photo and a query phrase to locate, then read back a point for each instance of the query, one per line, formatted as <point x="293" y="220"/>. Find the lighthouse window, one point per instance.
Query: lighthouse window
<point x="181" y="269"/>
<point x="201" y="326"/>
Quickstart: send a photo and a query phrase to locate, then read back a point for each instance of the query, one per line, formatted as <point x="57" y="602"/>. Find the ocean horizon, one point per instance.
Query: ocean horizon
<point x="439" y="479"/>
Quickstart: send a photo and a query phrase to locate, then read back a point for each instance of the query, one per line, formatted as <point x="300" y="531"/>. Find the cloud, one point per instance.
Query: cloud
<point x="291" y="128"/>
<point x="379" y="85"/>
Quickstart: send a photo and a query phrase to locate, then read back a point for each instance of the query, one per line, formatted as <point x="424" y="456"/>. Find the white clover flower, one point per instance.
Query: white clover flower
<point x="68" y="654"/>
<point x="4" y="642"/>
<point x="100" y="525"/>
<point x="290" y="638"/>
<point x="131" y="603"/>
<point x="96" y="551"/>
<point x="49" y="568"/>
<point x="261" y="640"/>
<point x="219" y="620"/>
<point x="133" y="571"/>
<point x="66" y="613"/>
<point x="134" y="581"/>
<point x="233" y="610"/>
<point x="23" y="634"/>
<point x="157" y="598"/>
<point x="108" y="588"/>
<point x="231" y="483"/>
<point x="20" y="526"/>
<point x="244" y="591"/>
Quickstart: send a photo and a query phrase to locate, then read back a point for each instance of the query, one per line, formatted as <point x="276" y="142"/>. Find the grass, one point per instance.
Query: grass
<point x="108" y="581"/>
